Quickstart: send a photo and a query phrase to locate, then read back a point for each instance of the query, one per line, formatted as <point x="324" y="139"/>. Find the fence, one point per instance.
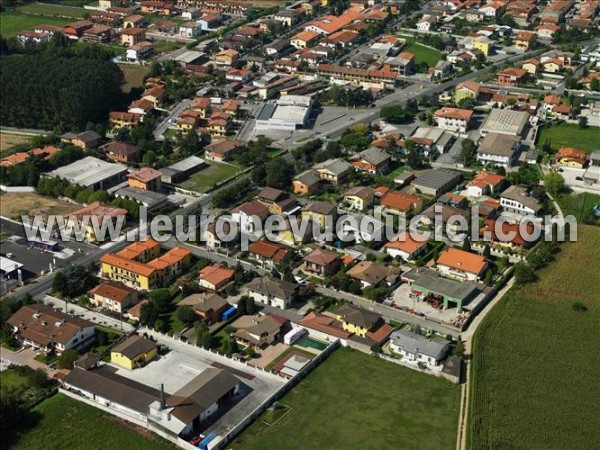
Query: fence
<point x="437" y="373"/>
<point x="21" y="189"/>
<point x="276" y="395"/>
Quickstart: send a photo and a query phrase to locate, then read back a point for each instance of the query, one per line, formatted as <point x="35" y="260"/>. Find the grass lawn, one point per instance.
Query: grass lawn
<point x="397" y="171"/>
<point x="11" y="381"/>
<point x="64" y="423"/>
<point x="534" y="372"/>
<point x="13" y="22"/>
<point x="353" y="400"/>
<point x="207" y="177"/>
<point x="161" y="46"/>
<point x="581" y="206"/>
<point x="13" y="205"/>
<point x="569" y="135"/>
<point x="12" y="143"/>
<point x="421" y="52"/>
<point x="47" y="9"/>
<point x="134" y="75"/>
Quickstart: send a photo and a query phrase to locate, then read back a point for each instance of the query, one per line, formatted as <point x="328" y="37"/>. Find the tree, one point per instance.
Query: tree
<point x="554" y="183"/>
<point x="468" y="152"/>
<point x="395" y="114"/>
<point x="186" y="315"/>
<point x="59" y="284"/>
<point x="148" y="314"/>
<point x="161" y="298"/>
<point x="595" y="84"/>
<point x="583" y="122"/>
<point x="203" y="338"/>
<point x="67" y="359"/>
<point x="242" y="305"/>
<point x="231" y="346"/>
<point x="279" y="173"/>
<point x="413" y="160"/>
<point x="524" y="273"/>
<point x="487" y="251"/>
<point x="149" y="158"/>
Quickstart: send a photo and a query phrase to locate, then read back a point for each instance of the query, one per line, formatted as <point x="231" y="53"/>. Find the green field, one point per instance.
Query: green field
<point x="12" y="22"/>
<point x="207" y="177"/>
<point x="47" y="9"/>
<point x="352" y="400"/>
<point x="581" y="206"/>
<point x="421" y="52"/>
<point x="60" y="422"/>
<point x="535" y="370"/>
<point x="569" y="135"/>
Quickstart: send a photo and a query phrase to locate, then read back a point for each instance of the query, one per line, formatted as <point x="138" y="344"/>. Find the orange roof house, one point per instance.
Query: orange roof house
<point x="406" y="247"/>
<point x="399" y="203"/>
<point x="268" y="252"/>
<point x="571" y="157"/>
<point x="461" y="265"/>
<point x="215" y="277"/>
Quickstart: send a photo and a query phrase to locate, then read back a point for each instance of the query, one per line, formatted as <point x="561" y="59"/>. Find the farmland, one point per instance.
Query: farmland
<point x="9" y="143"/>
<point x="134" y="76"/>
<point x="534" y="372"/>
<point x="209" y="176"/>
<point x="13" y="22"/>
<point x="568" y="135"/>
<point x="13" y="205"/>
<point x="61" y="422"/>
<point x="581" y="206"/>
<point x="354" y="398"/>
<point x="48" y="9"/>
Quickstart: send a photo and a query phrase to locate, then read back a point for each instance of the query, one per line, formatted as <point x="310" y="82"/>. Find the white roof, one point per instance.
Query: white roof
<point x="289" y="112"/>
<point x="88" y="171"/>
<point x="8" y="265"/>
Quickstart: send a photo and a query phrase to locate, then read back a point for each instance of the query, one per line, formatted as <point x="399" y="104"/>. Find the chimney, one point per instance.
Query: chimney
<point x="162" y="396"/>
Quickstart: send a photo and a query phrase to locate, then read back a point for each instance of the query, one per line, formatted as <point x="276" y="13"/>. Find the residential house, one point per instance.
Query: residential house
<point x="466" y="89"/>
<point x="190" y="29"/>
<point x="98" y="34"/>
<point x="226" y="57"/>
<point x="516" y="200"/>
<point x="461" y="265"/>
<point x="215" y="277"/>
<point x="333" y="170"/>
<point x="268" y="254"/>
<point x="208" y="306"/>
<point x="532" y="66"/>
<point x="498" y="150"/>
<point x="525" y="40"/>
<point x="132" y="36"/>
<point x="45" y="329"/>
<point x="146" y="178"/>
<point x="373" y="160"/>
<point x="121" y="119"/>
<point x="453" y="119"/>
<point x="419" y="349"/>
<point x="368" y="273"/>
<point x="321" y="263"/>
<point x="306" y="183"/>
<point x="120" y="152"/>
<point x="75" y="30"/>
<point x="95" y="212"/>
<point x="85" y="140"/>
<point x="248" y="215"/>
<point x="304" y="39"/>
<point x="485" y="183"/>
<point x="359" y="198"/>
<point x="512" y="76"/>
<point x="272" y="291"/>
<point x="426" y="23"/>
<point x="135" y="351"/>
<point x="406" y="246"/>
<point x="157" y="7"/>
<point x="322" y="213"/>
<point x="140" y="265"/>
<point x="401" y="204"/>
<point x="506" y="235"/>
<point x="278" y="202"/>
<point x="571" y="157"/>
<point x="258" y="331"/>
<point x="114" y="297"/>
<point x="363" y="323"/>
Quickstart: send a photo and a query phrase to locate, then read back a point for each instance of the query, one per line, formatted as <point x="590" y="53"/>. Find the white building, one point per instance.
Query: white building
<point x="272" y="292"/>
<point x="453" y="119"/>
<point x="515" y="200"/>
<point x="419" y="349"/>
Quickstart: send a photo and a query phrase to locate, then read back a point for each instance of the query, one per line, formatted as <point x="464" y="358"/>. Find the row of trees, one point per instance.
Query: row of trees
<point x="342" y="96"/>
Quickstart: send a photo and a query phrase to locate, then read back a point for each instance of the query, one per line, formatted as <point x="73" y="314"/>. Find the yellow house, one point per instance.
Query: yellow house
<point x="359" y="198"/>
<point x="141" y="267"/>
<point x="531" y="66"/>
<point x="319" y="212"/>
<point x="466" y="89"/>
<point x="483" y="44"/>
<point x="356" y="320"/>
<point x="553" y="66"/>
<point x="135" y="351"/>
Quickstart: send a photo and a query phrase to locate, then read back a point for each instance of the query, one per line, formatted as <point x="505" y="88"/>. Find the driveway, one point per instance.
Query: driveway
<point x="24" y="357"/>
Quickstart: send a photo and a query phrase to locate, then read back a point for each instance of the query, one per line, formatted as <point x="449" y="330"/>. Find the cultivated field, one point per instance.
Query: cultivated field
<point x="581" y="206"/>
<point x="353" y="400"/>
<point x="64" y="423"/>
<point x="13" y="22"/>
<point x="8" y="141"/>
<point x="535" y="370"/>
<point x="13" y="205"/>
<point x="568" y="135"/>
<point x="209" y="176"/>
<point x="134" y="75"/>
<point x="48" y="9"/>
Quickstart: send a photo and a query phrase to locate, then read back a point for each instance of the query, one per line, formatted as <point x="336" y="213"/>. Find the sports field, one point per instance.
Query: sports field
<point x="13" y="22"/>
<point x="352" y="400"/>
<point x="535" y="366"/>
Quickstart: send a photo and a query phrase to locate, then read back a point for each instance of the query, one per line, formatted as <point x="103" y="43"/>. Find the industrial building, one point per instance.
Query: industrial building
<point x="91" y="173"/>
<point x="435" y="182"/>
<point x="290" y="112"/>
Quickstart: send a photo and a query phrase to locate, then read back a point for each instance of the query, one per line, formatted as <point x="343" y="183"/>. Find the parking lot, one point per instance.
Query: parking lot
<point x="402" y="299"/>
<point x="185" y="361"/>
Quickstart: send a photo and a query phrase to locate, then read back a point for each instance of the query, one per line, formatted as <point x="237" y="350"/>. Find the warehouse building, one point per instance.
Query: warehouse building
<point x="290" y="112"/>
<point x="91" y="173"/>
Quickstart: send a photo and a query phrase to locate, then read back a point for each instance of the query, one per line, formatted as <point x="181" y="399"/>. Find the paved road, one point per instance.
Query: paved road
<point x="389" y="312"/>
<point x="171" y="117"/>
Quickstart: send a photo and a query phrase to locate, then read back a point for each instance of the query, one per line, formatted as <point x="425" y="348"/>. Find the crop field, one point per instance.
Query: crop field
<point x="13" y="205"/>
<point x="535" y="370"/>
<point x="48" y="9"/>
<point x="569" y="135"/>
<point x="352" y="400"/>
<point x="60" y="422"/>
<point x="9" y="143"/>
<point x="581" y="206"/>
